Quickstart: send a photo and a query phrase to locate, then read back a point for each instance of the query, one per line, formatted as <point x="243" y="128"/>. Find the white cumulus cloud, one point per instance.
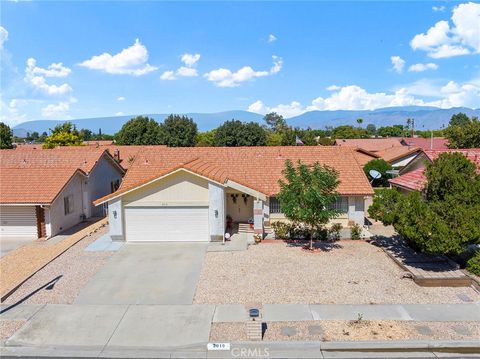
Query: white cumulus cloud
<point x="10" y="112"/>
<point x="184" y="71"/>
<point x="190" y="59"/>
<point x="397" y="63"/>
<point x="132" y="60"/>
<point x="272" y="38"/>
<point x="168" y="75"/>
<point x="354" y="97"/>
<point x="226" y="78"/>
<point x="35" y="76"/>
<point x="3" y="36"/>
<point x="462" y="38"/>
<point x="121" y="98"/>
<point x="422" y="67"/>
<point x="58" y="110"/>
<point x="438" y="8"/>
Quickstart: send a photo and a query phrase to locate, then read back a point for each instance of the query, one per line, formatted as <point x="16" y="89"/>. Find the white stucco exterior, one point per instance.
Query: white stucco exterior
<point x="216" y="211"/>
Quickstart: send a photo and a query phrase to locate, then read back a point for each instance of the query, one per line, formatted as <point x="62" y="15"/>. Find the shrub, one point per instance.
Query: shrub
<point x="473" y="264"/>
<point x="321" y="234"/>
<point x="334" y="231"/>
<point x="282" y="230"/>
<point x="356" y="232"/>
<point x="385" y="206"/>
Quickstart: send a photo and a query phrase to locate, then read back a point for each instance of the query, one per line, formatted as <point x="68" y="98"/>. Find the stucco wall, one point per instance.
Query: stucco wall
<point x="179" y="189"/>
<point x="115" y="219"/>
<point x="216" y="211"/>
<point x="58" y="220"/>
<point x="98" y="184"/>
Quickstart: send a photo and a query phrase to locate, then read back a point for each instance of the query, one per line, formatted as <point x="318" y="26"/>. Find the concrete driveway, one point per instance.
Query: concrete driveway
<point x="147" y="273"/>
<point x="9" y="244"/>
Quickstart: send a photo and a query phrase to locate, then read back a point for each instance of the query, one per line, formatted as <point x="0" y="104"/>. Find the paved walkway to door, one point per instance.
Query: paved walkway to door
<point x="147" y="273"/>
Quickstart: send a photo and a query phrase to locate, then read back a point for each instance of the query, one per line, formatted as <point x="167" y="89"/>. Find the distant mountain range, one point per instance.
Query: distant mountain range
<point x="425" y="118"/>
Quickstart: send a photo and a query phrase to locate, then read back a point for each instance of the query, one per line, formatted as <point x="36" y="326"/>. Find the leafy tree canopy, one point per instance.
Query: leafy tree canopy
<point x="347" y="131"/>
<point x="178" y="131"/>
<point x="307" y="194"/>
<point x="371" y="129"/>
<point x="235" y="133"/>
<point x="392" y="131"/>
<point x="206" y="139"/>
<point x="6" y="135"/>
<point x="64" y="134"/>
<point x="275" y="122"/>
<point x="381" y="166"/>
<point x="463" y="133"/>
<point x="140" y="130"/>
<point x="459" y="119"/>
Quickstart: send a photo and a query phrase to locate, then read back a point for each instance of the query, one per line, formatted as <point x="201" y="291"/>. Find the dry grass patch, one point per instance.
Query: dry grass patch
<point x="351" y="272"/>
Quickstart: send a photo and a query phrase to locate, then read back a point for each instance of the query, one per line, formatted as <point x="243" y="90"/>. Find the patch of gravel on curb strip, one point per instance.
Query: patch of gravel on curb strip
<point x="335" y="330"/>
<point x="352" y="272"/>
<point x="76" y="266"/>
<point x="9" y="327"/>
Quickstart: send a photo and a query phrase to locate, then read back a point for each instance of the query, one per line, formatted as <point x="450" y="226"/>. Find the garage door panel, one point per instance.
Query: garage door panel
<point x="18" y="222"/>
<point x="187" y="224"/>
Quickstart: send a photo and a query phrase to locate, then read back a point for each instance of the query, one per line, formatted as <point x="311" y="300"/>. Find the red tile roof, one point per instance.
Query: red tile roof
<point x="395" y="153"/>
<point x="473" y="154"/>
<point x="370" y="144"/>
<point x="437" y="143"/>
<point x="258" y="168"/>
<point x="37" y="176"/>
<point x="414" y="180"/>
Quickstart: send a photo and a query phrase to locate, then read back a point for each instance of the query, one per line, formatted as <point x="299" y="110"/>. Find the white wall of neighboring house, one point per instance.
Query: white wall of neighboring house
<point x="99" y="184"/>
<point x="402" y="162"/>
<point x="59" y="221"/>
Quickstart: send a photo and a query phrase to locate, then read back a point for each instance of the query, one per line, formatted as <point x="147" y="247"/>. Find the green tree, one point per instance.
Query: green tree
<point x="178" y="131"/>
<point x="64" y="134"/>
<point x="392" y="131"/>
<point x="382" y="166"/>
<point x="275" y="122"/>
<point x="385" y="204"/>
<point x="360" y="121"/>
<point x="346" y="131"/>
<point x="140" y="130"/>
<point x="464" y="135"/>
<point x="235" y="133"/>
<point x="85" y="134"/>
<point x="459" y="119"/>
<point x="307" y="195"/>
<point x="372" y="129"/>
<point x="206" y="139"/>
<point x="6" y="135"/>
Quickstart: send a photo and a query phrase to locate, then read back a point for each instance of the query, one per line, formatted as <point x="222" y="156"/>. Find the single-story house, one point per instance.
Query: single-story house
<point x="433" y="143"/>
<point x="412" y="176"/>
<point x="399" y="156"/>
<point x="370" y="144"/>
<point x="186" y="194"/>
<point x="44" y="192"/>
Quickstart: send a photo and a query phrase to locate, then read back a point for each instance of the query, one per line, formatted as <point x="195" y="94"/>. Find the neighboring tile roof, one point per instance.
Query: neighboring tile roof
<point x="437" y="143"/>
<point x="363" y="156"/>
<point x="414" y="180"/>
<point x="258" y="168"/>
<point x="473" y="154"/>
<point x="37" y="176"/>
<point x="370" y="144"/>
<point x="397" y="152"/>
<point x="98" y="143"/>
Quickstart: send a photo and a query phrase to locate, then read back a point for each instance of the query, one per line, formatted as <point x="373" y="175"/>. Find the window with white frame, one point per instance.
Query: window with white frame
<point x="275" y="205"/>
<point x="68" y="204"/>
<point x="341" y="204"/>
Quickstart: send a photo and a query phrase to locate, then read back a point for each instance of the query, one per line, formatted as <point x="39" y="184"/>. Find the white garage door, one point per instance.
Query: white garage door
<point x="16" y="221"/>
<point x="187" y="224"/>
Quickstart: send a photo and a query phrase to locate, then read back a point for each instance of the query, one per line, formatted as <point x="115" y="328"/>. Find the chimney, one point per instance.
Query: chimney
<point x="116" y="155"/>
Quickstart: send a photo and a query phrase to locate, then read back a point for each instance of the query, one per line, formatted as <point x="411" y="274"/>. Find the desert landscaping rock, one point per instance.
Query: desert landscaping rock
<point x="75" y="267"/>
<point x="423" y="329"/>
<point x="264" y="273"/>
<point x="315" y="330"/>
<point x="9" y="327"/>
<point x="462" y="330"/>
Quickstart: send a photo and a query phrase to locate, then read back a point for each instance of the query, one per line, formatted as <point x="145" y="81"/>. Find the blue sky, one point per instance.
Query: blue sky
<point x="63" y="60"/>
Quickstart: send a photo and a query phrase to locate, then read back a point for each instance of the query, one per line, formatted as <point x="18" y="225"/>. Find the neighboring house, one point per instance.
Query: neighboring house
<point x="434" y="143"/>
<point x="370" y="144"/>
<point x="412" y="176"/>
<point x="399" y="156"/>
<point x="44" y="192"/>
<point x="186" y="194"/>
<point x="363" y="156"/>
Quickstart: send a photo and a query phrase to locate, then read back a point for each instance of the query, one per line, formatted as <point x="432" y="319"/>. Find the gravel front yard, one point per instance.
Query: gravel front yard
<point x="334" y="330"/>
<point x="76" y="268"/>
<point x="352" y="272"/>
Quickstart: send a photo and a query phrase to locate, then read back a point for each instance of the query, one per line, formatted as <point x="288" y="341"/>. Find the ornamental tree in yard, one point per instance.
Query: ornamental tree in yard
<point x="140" y="130"/>
<point x="381" y="166"/>
<point x="178" y="131"/>
<point x="5" y="136"/>
<point x="308" y="193"/>
<point x="63" y="135"/>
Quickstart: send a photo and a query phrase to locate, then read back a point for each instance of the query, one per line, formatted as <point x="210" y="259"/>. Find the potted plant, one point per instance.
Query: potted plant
<point x="257" y="237"/>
